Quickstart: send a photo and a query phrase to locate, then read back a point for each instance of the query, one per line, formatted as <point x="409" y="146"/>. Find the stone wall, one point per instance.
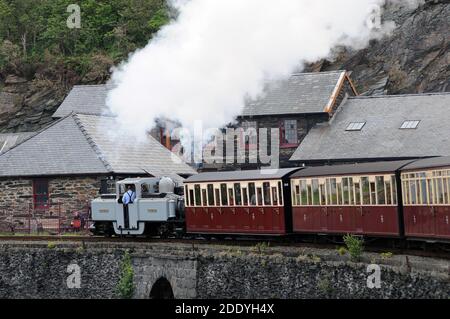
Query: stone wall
<point x="40" y="270"/>
<point x="306" y="277"/>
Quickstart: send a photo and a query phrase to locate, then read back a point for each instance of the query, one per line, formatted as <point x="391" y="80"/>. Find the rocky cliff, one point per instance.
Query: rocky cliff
<point x="414" y="59"/>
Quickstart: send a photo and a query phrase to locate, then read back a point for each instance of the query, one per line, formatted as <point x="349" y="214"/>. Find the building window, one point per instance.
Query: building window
<point x="40" y="193"/>
<point x="288" y="133"/>
<point x="410" y="125"/>
<point x="355" y="126"/>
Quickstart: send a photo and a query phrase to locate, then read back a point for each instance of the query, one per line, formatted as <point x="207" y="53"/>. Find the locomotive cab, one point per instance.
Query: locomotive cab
<point x="155" y="208"/>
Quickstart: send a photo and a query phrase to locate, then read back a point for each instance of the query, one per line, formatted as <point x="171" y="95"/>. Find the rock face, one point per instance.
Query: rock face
<point x="28" y="105"/>
<point x="414" y="59"/>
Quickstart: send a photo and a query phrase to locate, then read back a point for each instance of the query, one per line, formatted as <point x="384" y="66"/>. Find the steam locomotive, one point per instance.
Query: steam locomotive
<point x="407" y="199"/>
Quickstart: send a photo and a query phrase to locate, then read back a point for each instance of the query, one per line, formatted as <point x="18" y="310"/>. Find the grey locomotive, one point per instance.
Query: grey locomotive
<point x="156" y="209"/>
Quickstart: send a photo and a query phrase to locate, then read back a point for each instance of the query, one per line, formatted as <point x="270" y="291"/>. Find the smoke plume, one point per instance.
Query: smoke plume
<point x="217" y="53"/>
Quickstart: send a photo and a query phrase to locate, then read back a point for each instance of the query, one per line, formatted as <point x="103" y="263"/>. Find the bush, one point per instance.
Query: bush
<point x="125" y="288"/>
<point x="386" y="255"/>
<point x="354" y="246"/>
<point x="51" y="245"/>
<point x="342" y="251"/>
<point x="261" y="248"/>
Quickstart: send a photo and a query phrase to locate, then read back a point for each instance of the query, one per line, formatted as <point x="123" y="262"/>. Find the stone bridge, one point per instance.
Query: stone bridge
<point x="167" y="270"/>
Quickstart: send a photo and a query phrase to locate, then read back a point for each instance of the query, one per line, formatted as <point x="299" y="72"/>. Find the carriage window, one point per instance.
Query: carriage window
<point x="380" y="190"/>
<point x="210" y="188"/>
<point x="333" y="191"/>
<point x="191" y="197"/>
<point x="323" y="200"/>
<point x="412" y="192"/>
<point x="244" y="196"/>
<point x="310" y="195"/>
<point x="204" y="198"/>
<point x="445" y="190"/>
<point x="423" y="191"/>
<point x="439" y="191"/>
<point x="223" y="194"/>
<point x="388" y="192"/>
<point x="231" y="196"/>
<point x="345" y="191"/>
<point x="266" y="189"/>
<point x="394" y="190"/>
<point x="315" y="191"/>
<point x="328" y="189"/>
<point x="357" y="194"/>
<point x="365" y="190"/>
<point x="430" y="191"/>
<point x="198" y="199"/>
<point x="418" y="191"/>
<point x="339" y="192"/>
<point x="217" y="193"/>
<point x="405" y="194"/>
<point x="350" y="191"/>
<point x="252" y="194"/>
<point x="259" y="196"/>
<point x="373" y="193"/>
<point x="237" y="191"/>
<point x="303" y="193"/>
<point x="297" y="194"/>
<point x="274" y="196"/>
<point x="280" y="192"/>
<point x="186" y="193"/>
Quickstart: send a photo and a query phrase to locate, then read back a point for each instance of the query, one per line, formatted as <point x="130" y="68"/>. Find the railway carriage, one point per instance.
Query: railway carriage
<point x="426" y="198"/>
<point x="359" y="199"/>
<point x="239" y="202"/>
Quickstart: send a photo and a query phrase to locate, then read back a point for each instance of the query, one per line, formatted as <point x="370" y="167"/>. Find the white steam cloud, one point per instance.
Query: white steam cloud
<point x="217" y="53"/>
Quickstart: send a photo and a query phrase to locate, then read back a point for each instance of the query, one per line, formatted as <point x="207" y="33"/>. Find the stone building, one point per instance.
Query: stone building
<point x="59" y="169"/>
<point x="376" y="128"/>
<point x="292" y="107"/>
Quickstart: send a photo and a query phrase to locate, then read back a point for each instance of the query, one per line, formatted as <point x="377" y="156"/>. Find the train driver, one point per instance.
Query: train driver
<point x="129" y="196"/>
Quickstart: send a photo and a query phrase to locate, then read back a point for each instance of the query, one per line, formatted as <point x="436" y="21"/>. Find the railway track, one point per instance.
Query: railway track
<point x="431" y="252"/>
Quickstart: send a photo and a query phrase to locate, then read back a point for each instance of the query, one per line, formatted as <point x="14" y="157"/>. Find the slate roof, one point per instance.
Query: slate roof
<point x="9" y="140"/>
<point x="300" y="93"/>
<point x="79" y="144"/>
<point x="381" y="136"/>
<point x="87" y="99"/>
<point x="263" y="174"/>
<point x="433" y="162"/>
<point x="349" y="169"/>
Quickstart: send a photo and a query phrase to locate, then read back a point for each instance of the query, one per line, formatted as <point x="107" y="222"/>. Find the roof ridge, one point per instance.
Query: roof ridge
<point x="34" y="134"/>
<point x="94" y="114"/>
<point x="91" y="142"/>
<point x="315" y="73"/>
<point x="397" y="95"/>
<point x="89" y="85"/>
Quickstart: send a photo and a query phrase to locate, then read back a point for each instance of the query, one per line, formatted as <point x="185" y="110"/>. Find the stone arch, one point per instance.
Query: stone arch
<point x="162" y="289"/>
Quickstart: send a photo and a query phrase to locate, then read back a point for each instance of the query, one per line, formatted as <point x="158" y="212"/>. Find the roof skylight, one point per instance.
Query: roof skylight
<point x="410" y="124"/>
<point x="355" y="126"/>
